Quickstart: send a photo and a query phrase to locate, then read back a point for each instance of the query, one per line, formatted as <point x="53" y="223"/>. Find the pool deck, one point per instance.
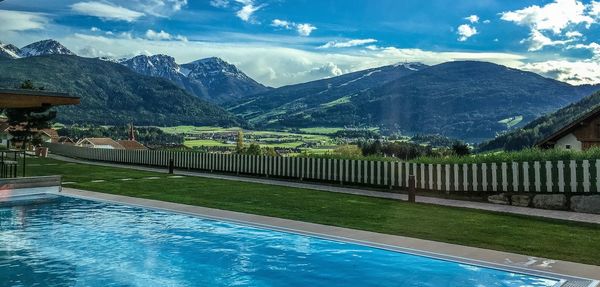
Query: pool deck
<point x="492" y="258"/>
<point x="553" y="214"/>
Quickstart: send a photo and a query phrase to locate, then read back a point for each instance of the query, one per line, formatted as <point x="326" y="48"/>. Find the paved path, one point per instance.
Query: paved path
<point x="554" y="214"/>
<point x="472" y="255"/>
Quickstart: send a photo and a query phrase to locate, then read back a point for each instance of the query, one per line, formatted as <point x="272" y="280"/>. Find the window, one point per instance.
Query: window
<point x="568" y="146"/>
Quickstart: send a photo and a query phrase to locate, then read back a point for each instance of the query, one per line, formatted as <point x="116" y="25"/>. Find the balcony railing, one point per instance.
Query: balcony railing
<point x="10" y="161"/>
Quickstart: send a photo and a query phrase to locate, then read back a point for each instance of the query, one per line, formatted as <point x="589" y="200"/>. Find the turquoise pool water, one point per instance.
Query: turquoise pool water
<point x="74" y="242"/>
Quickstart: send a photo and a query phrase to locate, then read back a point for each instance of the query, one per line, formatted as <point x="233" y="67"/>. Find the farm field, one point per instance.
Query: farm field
<point x="317" y="142"/>
<point x="206" y="143"/>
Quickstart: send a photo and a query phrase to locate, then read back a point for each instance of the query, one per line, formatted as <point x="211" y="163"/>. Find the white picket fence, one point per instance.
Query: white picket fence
<point x="534" y="177"/>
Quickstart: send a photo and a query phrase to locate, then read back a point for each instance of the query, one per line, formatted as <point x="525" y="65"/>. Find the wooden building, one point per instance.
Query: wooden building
<point x="581" y="134"/>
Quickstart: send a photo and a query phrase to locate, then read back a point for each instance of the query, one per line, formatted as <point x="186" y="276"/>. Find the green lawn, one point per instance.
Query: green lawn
<point x="291" y="140"/>
<point x="321" y="131"/>
<point x="207" y="143"/>
<point x="520" y="234"/>
<point x="196" y="130"/>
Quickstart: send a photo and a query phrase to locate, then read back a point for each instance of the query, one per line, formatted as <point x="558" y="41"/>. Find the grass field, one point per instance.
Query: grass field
<point x="207" y="143"/>
<point x="519" y="234"/>
<point x="196" y="130"/>
<point x="512" y="121"/>
<point x="321" y="131"/>
<point x="263" y="138"/>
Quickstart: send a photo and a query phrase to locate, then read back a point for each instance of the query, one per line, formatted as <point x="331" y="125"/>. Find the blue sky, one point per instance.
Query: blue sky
<point x="281" y="42"/>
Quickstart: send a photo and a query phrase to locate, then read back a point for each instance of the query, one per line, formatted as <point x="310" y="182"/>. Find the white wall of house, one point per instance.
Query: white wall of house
<point x="104" y="146"/>
<point x="568" y="142"/>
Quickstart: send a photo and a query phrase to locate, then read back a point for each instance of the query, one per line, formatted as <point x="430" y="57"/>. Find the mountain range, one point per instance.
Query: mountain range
<point x="211" y="79"/>
<point x="40" y="48"/>
<point x="463" y="99"/>
<point x="473" y="101"/>
<point x="111" y="93"/>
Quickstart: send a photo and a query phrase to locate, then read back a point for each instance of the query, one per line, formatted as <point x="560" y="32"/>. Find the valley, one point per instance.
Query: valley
<point x="463" y="100"/>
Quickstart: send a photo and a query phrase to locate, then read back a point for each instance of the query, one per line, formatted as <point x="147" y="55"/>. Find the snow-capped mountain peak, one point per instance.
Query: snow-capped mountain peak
<point x="209" y="68"/>
<point x="156" y="65"/>
<point x="162" y="66"/>
<point x="9" y="51"/>
<point x="112" y="59"/>
<point x="212" y="78"/>
<point x="45" y="47"/>
<point x="413" y="66"/>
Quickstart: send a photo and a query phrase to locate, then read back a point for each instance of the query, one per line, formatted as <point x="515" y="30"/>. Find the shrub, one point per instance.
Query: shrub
<point x="349" y="151"/>
<point x="530" y="154"/>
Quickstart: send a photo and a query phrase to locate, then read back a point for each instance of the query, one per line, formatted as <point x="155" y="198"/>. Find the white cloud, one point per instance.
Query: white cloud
<point x="554" y="16"/>
<point x="125" y="35"/>
<point x="106" y="11"/>
<point x="573" y="34"/>
<point x="473" y="19"/>
<point x="487" y="21"/>
<point x="176" y="5"/>
<point x="21" y="21"/>
<point x="302" y="29"/>
<point x="325" y="71"/>
<point x="592" y="47"/>
<point x="219" y="3"/>
<point x="247" y="11"/>
<point x="274" y="65"/>
<point x="94" y="29"/>
<point x="305" y="29"/>
<point x="347" y="44"/>
<point x="281" y="24"/>
<point x="595" y="8"/>
<point x="162" y="35"/>
<point x="181" y="38"/>
<point x="538" y="41"/>
<point x="576" y="73"/>
<point x="465" y="31"/>
<point x="160" y="8"/>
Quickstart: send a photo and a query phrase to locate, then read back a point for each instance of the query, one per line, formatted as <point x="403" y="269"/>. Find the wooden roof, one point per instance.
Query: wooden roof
<point x="34" y="99"/>
<point x="570" y="127"/>
<point x="129" y="144"/>
<point x="101" y="142"/>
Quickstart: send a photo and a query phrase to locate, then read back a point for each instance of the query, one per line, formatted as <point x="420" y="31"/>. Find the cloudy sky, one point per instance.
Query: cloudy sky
<point x="281" y="42"/>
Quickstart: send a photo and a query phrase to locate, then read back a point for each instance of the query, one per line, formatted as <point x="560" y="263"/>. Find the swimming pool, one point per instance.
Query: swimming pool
<point x="76" y="242"/>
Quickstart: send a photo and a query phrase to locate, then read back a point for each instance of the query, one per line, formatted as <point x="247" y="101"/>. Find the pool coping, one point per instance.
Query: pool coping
<point x="552" y="269"/>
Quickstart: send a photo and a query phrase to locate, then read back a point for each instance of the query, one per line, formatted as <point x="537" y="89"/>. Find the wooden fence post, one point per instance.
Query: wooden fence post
<point x="411" y="189"/>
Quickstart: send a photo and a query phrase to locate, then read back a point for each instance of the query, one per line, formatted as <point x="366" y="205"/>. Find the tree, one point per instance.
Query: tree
<point x="27" y="85"/>
<point x="269" y="151"/>
<point x="461" y="149"/>
<point x="348" y="151"/>
<point x="27" y="122"/>
<point x="253" y="149"/>
<point x="240" y="141"/>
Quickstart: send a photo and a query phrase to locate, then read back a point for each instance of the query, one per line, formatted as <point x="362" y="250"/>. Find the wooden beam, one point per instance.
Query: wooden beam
<point x="34" y="99"/>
